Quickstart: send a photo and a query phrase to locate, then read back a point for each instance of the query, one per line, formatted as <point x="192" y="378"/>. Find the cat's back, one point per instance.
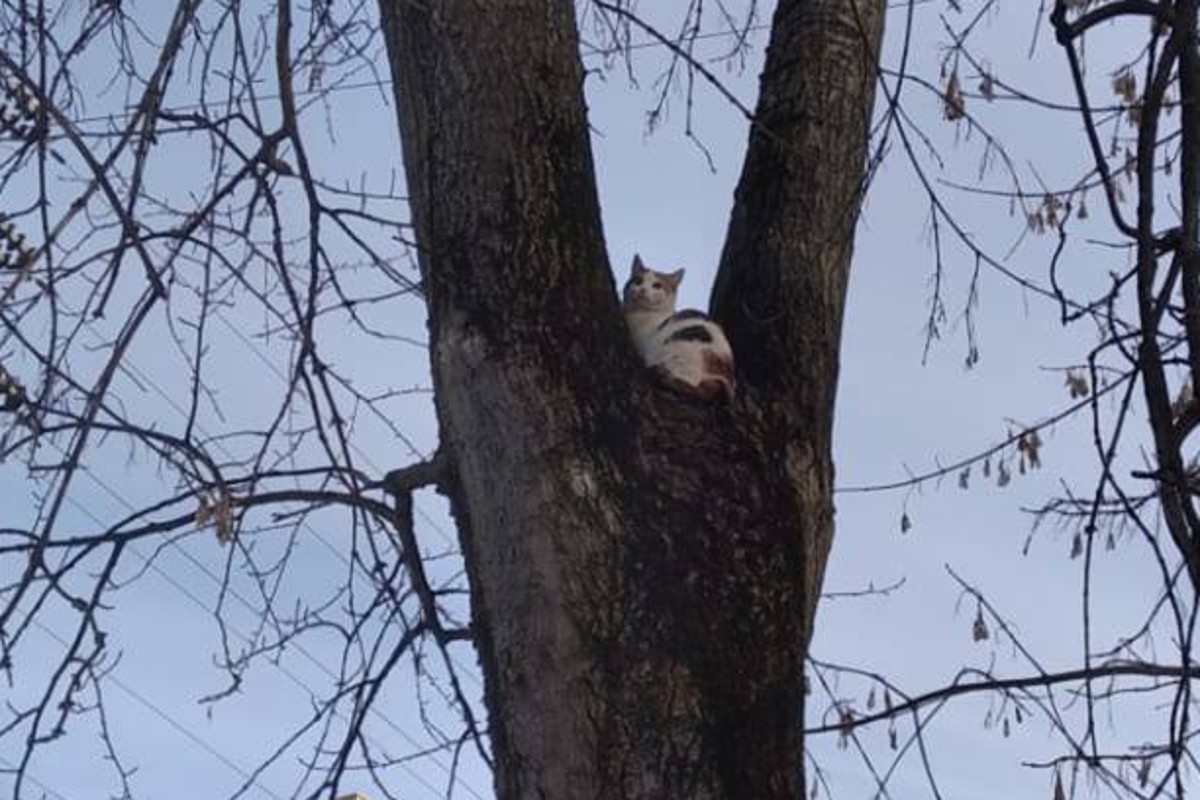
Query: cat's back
<point x="692" y="325"/>
<point x="692" y="348"/>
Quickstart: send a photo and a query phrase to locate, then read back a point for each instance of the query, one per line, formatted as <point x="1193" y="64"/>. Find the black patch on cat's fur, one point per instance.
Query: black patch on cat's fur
<point x="692" y="333"/>
<point x="687" y="313"/>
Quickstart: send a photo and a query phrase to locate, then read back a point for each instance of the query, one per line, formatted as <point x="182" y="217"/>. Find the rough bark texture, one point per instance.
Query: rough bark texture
<point x="781" y="287"/>
<point x="641" y="562"/>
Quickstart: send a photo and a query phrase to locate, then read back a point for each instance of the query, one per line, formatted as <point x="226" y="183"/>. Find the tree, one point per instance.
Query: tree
<point x="643" y="567"/>
<point x="605" y="512"/>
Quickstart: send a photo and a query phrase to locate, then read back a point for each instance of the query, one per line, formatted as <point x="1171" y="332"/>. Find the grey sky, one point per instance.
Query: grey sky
<point x="660" y="199"/>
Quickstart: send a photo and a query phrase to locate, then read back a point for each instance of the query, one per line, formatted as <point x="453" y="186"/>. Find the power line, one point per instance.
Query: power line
<point x="179" y="727"/>
<point x="137" y="375"/>
<point x="278" y="664"/>
<point x="241" y="599"/>
<point x="358" y="451"/>
<point x="11" y="767"/>
<point x="140" y="378"/>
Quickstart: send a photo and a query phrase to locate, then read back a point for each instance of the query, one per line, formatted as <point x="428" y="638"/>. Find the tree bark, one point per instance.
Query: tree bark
<point x="641" y="562"/>
<point x="780" y="290"/>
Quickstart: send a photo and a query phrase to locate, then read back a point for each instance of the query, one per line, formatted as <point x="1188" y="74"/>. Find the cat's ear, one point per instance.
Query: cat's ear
<point x="637" y="267"/>
<point x="673" y="279"/>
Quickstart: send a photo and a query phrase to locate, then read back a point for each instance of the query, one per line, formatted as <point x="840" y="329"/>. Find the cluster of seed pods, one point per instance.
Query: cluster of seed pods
<point x="19" y="109"/>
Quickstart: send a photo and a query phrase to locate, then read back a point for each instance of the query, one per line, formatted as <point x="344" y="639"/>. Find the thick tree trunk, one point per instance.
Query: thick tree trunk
<point x="641" y="563"/>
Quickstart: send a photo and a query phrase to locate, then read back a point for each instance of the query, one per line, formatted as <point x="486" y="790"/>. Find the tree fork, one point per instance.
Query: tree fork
<point x="641" y="563"/>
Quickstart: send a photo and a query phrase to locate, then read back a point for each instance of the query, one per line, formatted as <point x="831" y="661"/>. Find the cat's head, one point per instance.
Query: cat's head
<point x="647" y="290"/>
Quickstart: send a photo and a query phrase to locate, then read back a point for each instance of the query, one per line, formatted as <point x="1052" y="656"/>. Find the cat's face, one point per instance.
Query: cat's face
<point x="647" y="290"/>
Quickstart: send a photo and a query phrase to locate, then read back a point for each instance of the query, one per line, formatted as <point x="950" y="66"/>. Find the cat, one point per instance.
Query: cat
<point x="687" y="347"/>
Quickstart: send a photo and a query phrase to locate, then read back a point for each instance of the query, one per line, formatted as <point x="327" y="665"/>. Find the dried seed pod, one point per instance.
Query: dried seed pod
<point x="20" y="110"/>
<point x="954" y="104"/>
<point x="979" y="630"/>
<point x="15" y="252"/>
<point x="12" y="393"/>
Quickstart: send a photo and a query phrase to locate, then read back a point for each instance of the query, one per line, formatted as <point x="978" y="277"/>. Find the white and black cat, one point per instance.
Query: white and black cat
<point x="686" y="346"/>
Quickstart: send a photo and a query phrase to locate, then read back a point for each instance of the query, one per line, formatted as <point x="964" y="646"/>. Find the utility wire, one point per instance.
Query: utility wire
<point x="195" y="738"/>
<point x="140" y="378"/>
<point x="278" y="664"/>
<point x="179" y="727"/>
<point x="137" y="375"/>
<point x="11" y="767"/>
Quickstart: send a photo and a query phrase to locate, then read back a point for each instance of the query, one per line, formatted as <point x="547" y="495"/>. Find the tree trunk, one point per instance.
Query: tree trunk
<point x="781" y="287"/>
<point x="643" y="565"/>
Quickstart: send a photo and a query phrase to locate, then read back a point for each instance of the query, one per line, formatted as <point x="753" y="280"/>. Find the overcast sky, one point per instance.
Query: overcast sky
<point x="901" y="410"/>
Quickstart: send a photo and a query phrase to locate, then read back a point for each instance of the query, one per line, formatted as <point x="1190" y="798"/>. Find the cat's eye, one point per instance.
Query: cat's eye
<point x="657" y="284"/>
